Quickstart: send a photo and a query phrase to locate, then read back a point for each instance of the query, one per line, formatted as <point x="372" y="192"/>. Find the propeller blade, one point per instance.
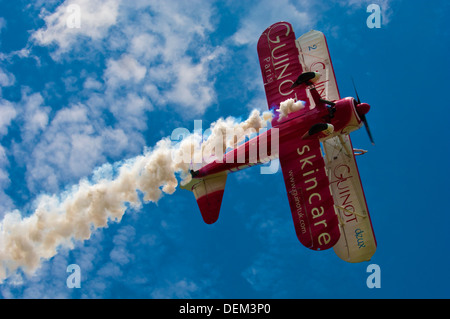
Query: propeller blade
<point x="356" y="92"/>
<point x="366" y="124"/>
<point x="363" y="117"/>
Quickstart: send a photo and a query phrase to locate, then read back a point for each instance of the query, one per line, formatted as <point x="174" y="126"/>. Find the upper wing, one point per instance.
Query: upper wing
<point x="307" y="186"/>
<point x="357" y="242"/>
<point x="280" y="65"/>
<point x="314" y="57"/>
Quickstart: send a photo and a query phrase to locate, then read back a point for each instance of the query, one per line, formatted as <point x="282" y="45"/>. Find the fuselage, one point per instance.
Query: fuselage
<point x="265" y="146"/>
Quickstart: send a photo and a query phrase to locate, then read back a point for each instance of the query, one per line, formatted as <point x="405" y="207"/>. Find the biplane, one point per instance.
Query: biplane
<point x="315" y="152"/>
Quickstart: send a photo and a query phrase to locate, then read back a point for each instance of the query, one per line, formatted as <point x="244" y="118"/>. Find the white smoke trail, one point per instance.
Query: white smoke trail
<point x="289" y="106"/>
<point x="60" y="220"/>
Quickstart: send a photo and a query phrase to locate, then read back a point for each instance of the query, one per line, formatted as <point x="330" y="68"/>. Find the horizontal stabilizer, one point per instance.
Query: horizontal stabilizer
<point x="208" y="192"/>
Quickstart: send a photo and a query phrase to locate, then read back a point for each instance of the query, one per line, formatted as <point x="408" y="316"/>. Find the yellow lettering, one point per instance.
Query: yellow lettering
<point x="316" y="212"/>
<point x="289" y="83"/>
<point x="314" y="181"/>
<point x="305" y="148"/>
<point x="277" y="39"/>
<point x="324" y="238"/>
<point x="314" y="195"/>
<point x="282" y="74"/>
<point x="281" y="56"/>
<point x="323" y="222"/>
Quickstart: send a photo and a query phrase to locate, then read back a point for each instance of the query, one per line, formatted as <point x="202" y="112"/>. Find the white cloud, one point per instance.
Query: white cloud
<point x="7" y="114"/>
<point x="67" y="149"/>
<point x="34" y="114"/>
<point x="119" y="254"/>
<point x="6" y="204"/>
<point x="145" y="46"/>
<point x="125" y="69"/>
<point x="2" y="23"/>
<point x="96" y="18"/>
<point x="6" y="78"/>
<point x="92" y="84"/>
<point x="163" y="48"/>
<point x="74" y="142"/>
<point x="2" y="26"/>
<point x="162" y="41"/>
<point x="191" y="86"/>
<point x="179" y="289"/>
<point x="70" y="145"/>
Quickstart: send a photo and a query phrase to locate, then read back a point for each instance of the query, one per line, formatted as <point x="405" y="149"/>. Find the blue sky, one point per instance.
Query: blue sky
<point x="74" y="99"/>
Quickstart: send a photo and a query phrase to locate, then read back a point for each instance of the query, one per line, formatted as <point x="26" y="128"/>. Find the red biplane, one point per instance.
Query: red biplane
<point x="323" y="186"/>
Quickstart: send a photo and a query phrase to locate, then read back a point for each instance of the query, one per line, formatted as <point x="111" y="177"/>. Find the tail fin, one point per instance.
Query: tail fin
<point x="208" y="192"/>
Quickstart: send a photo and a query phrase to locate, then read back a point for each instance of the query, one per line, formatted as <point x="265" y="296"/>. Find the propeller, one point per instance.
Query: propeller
<point x="362" y="115"/>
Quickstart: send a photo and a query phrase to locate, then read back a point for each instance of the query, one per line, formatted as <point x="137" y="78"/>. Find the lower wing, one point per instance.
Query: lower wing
<point x="310" y="200"/>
